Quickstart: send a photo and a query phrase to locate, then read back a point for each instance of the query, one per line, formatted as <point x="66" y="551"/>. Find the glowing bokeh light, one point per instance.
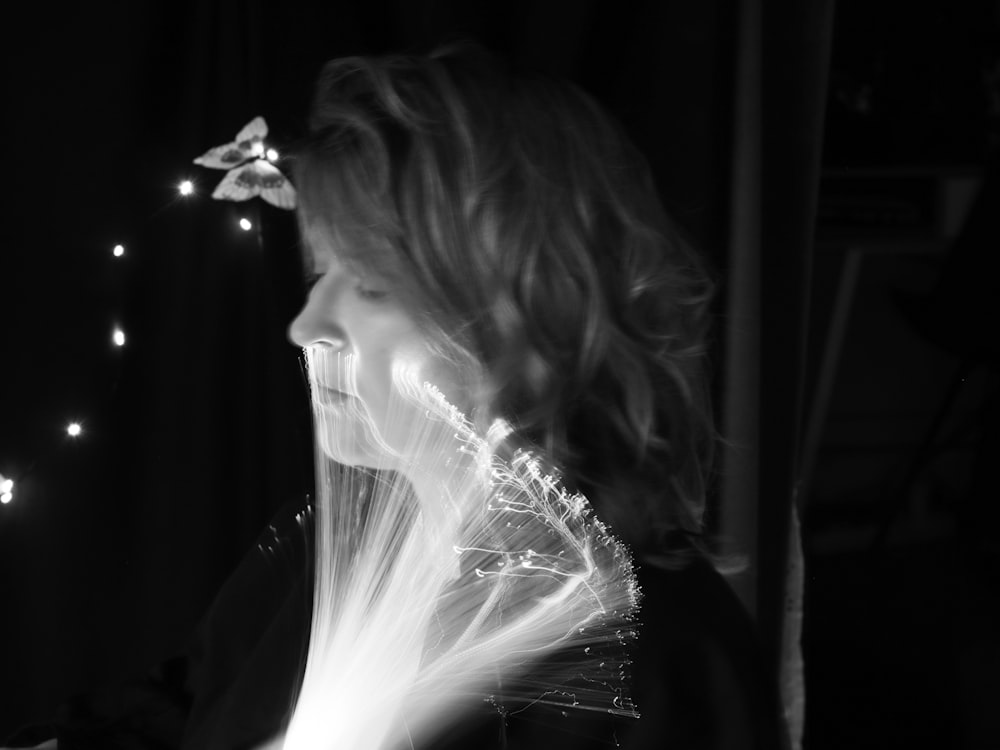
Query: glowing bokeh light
<point x="245" y="225"/>
<point x="118" y="250"/>
<point x="272" y="155"/>
<point x="74" y="429"/>
<point x="118" y="337"/>
<point x="6" y="485"/>
<point x="186" y="187"/>
<point x="257" y="148"/>
<point x="6" y="497"/>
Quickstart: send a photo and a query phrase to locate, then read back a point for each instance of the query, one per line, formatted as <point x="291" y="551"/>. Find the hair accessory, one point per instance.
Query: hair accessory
<point x="251" y="168"/>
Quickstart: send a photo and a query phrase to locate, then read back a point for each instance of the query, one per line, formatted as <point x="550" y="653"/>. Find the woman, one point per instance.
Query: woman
<point x="493" y="272"/>
<point x="502" y="240"/>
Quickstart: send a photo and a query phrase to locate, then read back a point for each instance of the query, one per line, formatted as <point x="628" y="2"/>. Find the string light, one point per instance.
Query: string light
<point x="185" y="187"/>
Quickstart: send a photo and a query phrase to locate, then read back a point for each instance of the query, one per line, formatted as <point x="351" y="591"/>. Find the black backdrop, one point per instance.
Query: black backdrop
<point x="197" y="430"/>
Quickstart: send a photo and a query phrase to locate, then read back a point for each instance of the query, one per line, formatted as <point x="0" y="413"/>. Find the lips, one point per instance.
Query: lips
<point x="328" y="395"/>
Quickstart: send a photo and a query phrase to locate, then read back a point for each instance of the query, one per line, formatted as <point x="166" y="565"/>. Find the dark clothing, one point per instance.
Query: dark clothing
<point x="698" y="680"/>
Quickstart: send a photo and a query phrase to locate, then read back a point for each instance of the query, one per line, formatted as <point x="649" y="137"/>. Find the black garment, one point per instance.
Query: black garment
<point x="698" y="680"/>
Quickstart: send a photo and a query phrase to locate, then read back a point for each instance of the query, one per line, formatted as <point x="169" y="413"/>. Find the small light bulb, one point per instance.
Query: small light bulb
<point x="272" y="155"/>
<point x="119" y="251"/>
<point x="257" y="148"/>
<point x="186" y="187"/>
<point x="74" y="429"/>
<point x="118" y="337"/>
<point x="245" y="225"/>
<point x="6" y="497"/>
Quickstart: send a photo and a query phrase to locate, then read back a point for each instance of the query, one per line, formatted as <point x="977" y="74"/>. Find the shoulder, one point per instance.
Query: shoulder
<point x="693" y="602"/>
<point x="698" y="680"/>
<point x="699" y="677"/>
<point x="243" y="660"/>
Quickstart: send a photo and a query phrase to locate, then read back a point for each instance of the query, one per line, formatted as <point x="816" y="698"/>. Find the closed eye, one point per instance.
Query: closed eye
<point x="371" y="294"/>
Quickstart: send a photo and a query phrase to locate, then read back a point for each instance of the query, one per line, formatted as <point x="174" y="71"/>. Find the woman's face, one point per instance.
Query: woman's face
<point x="368" y="363"/>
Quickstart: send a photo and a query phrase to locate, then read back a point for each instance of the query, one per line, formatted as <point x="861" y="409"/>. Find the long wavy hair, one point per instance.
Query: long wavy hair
<point x="516" y="220"/>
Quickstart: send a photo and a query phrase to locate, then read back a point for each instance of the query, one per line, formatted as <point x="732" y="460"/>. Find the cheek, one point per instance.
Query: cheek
<point x="373" y="374"/>
<point x="446" y="378"/>
<point x="413" y="370"/>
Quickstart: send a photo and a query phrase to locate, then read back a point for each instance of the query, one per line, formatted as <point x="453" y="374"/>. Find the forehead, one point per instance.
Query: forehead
<point x="364" y="253"/>
<point x="323" y="246"/>
<point x="318" y="246"/>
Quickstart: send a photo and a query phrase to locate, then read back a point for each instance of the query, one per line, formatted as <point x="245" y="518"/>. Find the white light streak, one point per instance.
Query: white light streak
<point x="497" y="568"/>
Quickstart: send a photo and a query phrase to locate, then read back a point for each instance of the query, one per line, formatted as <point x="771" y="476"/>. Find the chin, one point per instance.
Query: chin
<point x="359" y="450"/>
<point x="343" y="451"/>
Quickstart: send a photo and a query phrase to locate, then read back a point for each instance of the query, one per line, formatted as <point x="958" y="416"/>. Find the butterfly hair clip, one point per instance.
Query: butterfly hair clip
<point x="251" y="168"/>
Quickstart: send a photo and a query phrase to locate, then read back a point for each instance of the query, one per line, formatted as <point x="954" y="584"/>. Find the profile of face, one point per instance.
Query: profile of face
<point x="369" y="362"/>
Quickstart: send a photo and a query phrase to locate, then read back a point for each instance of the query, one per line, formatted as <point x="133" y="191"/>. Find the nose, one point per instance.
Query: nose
<point x="315" y="326"/>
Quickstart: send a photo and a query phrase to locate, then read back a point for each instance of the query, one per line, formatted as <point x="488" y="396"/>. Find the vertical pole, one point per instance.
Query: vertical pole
<point x="741" y="392"/>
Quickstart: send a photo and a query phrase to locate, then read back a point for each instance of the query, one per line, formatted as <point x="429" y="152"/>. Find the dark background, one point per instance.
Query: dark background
<point x="197" y="430"/>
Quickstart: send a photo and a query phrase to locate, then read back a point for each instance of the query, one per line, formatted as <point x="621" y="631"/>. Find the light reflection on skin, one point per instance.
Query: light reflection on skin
<point x="366" y="355"/>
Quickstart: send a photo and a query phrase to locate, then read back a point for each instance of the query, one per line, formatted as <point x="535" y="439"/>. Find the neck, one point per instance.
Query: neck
<point x="447" y="491"/>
